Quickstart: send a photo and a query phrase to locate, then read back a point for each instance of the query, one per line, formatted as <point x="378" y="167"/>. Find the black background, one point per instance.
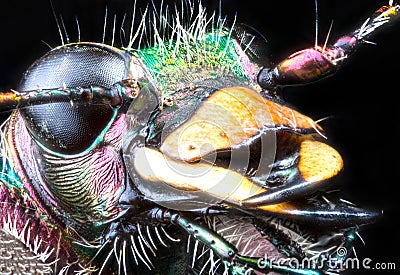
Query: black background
<point x="360" y="99"/>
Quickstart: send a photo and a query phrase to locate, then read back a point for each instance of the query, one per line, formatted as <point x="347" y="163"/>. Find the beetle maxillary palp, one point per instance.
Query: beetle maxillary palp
<point x="222" y="248"/>
<point x="312" y="64"/>
<point x="218" y="244"/>
<point x="299" y="68"/>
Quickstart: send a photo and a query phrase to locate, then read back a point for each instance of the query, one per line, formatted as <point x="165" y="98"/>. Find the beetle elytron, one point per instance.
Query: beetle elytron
<point x="175" y="158"/>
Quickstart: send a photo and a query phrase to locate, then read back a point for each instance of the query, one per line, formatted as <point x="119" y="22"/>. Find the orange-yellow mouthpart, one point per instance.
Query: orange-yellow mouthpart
<point x="318" y="161"/>
<point x="156" y="168"/>
<point x="228" y="117"/>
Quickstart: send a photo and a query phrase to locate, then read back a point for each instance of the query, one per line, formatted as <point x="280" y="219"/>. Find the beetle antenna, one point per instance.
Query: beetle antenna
<point x="58" y="23"/>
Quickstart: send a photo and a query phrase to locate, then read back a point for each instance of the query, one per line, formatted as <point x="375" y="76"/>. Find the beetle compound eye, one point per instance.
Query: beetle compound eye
<point x="77" y="65"/>
<point x="71" y="128"/>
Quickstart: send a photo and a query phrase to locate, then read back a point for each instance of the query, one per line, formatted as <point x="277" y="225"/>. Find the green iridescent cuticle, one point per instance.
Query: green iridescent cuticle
<point x="179" y="62"/>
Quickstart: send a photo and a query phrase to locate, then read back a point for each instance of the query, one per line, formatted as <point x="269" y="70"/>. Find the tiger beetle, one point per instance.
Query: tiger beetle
<point x="175" y="154"/>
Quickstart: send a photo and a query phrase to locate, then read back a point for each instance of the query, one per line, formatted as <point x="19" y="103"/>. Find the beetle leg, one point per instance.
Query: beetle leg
<point x="212" y="210"/>
<point x="222" y="248"/>
<point x="312" y="64"/>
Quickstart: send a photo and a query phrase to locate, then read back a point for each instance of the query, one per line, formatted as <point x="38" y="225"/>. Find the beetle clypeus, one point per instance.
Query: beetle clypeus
<point x="112" y="158"/>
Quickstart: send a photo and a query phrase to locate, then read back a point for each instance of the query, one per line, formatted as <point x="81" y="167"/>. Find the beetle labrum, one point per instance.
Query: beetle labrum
<point x="112" y="157"/>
